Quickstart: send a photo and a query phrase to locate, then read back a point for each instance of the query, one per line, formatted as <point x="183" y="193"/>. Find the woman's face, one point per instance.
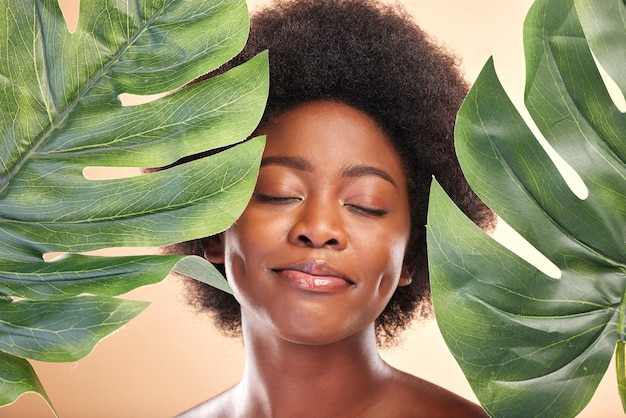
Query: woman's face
<point x="319" y="250"/>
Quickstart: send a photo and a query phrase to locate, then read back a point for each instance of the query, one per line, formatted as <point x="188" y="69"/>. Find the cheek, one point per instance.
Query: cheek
<point x="246" y="246"/>
<point x="397" y="250"/>
<point x="247" y="237"/>
<point x="399" y="241"/>
<point x="386" y="256"/>
<point x="236" y="256"/>
<point x="386" y="246"/>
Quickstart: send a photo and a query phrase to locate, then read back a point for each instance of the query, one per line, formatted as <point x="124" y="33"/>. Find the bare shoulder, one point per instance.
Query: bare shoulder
<point x="219" y="406"/>
<point x="420" y="398"/>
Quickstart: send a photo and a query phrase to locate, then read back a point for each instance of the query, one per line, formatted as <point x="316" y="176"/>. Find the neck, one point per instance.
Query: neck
<point x="283" y="378"/>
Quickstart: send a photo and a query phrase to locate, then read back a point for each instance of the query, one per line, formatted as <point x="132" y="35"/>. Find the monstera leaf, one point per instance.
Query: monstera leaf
<point x="60" y="113"/>
<point x="532" y="344"/>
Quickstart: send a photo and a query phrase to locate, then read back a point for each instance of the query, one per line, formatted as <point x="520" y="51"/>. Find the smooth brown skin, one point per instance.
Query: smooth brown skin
<point x="331" y="193"/>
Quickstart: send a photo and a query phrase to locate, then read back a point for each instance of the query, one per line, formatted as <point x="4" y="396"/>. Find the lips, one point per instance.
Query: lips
<point x="314" y="275"/>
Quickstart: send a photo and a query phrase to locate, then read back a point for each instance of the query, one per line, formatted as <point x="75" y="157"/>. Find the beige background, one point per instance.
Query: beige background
<point x="169" y="359"/>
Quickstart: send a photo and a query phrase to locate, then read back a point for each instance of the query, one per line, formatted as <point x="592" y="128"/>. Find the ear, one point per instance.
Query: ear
<point x="213" y="249"/>
<point x="406" y="276"/>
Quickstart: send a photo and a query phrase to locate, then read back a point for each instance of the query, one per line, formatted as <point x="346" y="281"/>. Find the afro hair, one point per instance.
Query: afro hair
<point x="373" y="57"/>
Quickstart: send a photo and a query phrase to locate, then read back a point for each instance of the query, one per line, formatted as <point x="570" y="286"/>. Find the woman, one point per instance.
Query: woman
<point x="329" y="257"/>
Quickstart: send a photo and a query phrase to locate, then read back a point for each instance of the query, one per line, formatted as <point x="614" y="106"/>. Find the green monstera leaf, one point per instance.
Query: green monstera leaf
<point x="60" y="113"/>
<point x="533" y="344"/>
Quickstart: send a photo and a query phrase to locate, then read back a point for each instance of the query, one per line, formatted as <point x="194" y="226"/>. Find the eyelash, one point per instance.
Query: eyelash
<point x="364" y="210"/>
<point x="275" y="199"/>
<point x="376" y="212"/>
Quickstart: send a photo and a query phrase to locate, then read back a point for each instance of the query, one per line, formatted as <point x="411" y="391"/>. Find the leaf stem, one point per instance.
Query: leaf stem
<point x="620" y="367"/>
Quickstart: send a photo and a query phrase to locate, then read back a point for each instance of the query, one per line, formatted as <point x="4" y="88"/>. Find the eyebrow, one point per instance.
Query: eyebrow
<point x="289" y="162"/>
<point x="351" y="172"/>
<point x="367" y="170"/>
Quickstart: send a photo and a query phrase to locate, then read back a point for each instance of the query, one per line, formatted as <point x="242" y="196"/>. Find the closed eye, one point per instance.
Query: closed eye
<point x="266" y="198"/>
<point x="367" y="210"/>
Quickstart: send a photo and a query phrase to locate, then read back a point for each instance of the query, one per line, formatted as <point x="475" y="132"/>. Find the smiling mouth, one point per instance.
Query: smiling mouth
<point x="315" y="276"/>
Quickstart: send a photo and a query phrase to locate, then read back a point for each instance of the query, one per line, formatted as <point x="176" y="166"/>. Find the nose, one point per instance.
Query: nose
<point x="319" y="225"/>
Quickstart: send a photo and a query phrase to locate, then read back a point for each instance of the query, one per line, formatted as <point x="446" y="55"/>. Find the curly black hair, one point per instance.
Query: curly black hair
<point x="373" y="57"/>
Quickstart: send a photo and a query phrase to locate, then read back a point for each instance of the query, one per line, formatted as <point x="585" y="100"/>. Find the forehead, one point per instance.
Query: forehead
<point x="332" y="134"/>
